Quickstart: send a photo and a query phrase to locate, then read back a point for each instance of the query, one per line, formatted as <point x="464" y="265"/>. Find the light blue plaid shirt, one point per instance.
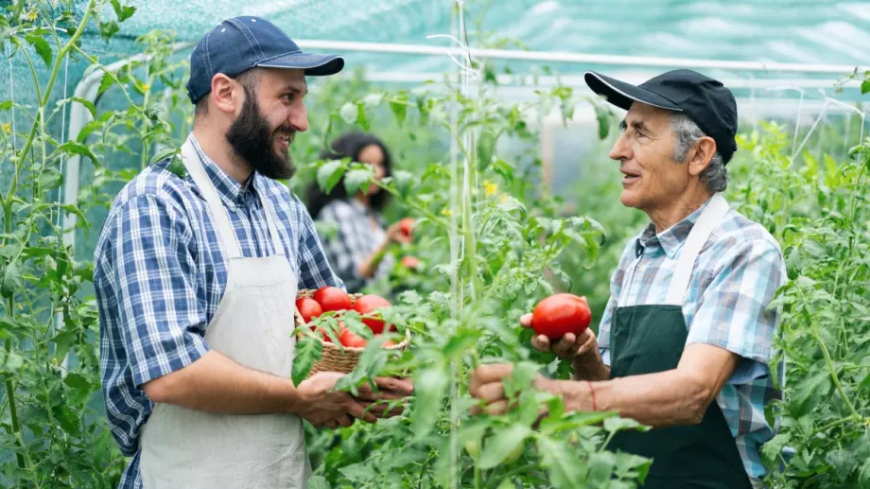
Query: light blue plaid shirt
<point x="736" y="275"/>
<point x="160" y="273"/>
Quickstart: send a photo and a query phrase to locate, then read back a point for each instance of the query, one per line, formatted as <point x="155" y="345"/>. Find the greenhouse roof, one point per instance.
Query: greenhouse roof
<point x="812" y="32"/>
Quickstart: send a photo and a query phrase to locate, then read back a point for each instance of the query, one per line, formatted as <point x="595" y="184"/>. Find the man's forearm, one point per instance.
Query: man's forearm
<point x="217" y="384"/>
<point x="661" y="399"/>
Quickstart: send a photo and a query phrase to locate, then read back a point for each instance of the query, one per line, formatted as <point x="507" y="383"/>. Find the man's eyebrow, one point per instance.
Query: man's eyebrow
<point x="292" y="87"/>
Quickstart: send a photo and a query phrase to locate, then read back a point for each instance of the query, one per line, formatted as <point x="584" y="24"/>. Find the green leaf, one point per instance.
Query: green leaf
<point x="361" y="116"/>
<point x="601" y="466"/>
<point x="429" y="386"/>
<point x="771" y="450"/>
<point x="502" y="444"/>
<point x="75" y="148"/>
<point x="602" y="114"/>
<point x="329" y="174"/>
<point x="108" y="29"/>
<point x="355" y="178"/>
<point x="106" y="82"/>
<point x="63" y="342"/>
<point x="400" y="110"/>
<point x="5" y="105"/>
<point x="88" y="105"/>
<point x="619" y="424"/>
<point x="349" y="112"/>
<point x="163" y="154"/>
<point x="122" y="12"/>
<point x="358" y="472"/>
<point x="77" y="381"/>
<point x="308" y="350"/>
<point x="11" y="280"/>
<point x="865" y="86"/>
<point x="631" y="466"/>
<point x="43" y="49"/>
<point x="403" y="180"/>
<point x="503" y="168"/>
<point x="318" y="482"/>
<point x="564" y="469"/>
<point x="49" y="179"/>
<point x="864" y="473"/>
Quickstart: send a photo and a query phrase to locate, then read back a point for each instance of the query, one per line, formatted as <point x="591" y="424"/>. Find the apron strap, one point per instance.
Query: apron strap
<point x="271" y="219"/>
<point x="701" y="231"/>
<point x="222" y="224"/>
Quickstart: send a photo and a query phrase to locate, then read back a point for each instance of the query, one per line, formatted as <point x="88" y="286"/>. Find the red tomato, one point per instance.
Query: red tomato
<point x="560" y="314"/>
<point x="349" y="339"/>
<point x="332" y="299"/>
<point x="406" y="225"/>
<point x="389" y="343"/>
<point x="410" y="262"/>
<point x="308" y="308"/>
<point x="367" y="305"/>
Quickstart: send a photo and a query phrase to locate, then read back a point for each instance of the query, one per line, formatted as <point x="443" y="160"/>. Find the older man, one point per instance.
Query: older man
<point x="685" y="340"/>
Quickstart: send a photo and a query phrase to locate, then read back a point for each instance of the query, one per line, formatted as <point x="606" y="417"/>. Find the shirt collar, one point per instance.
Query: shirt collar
<point x="231" y="191"/>
<point x="673" y="238"/>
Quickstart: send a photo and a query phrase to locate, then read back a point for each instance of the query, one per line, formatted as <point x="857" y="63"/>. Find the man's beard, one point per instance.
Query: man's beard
<point x="254" y="142"/>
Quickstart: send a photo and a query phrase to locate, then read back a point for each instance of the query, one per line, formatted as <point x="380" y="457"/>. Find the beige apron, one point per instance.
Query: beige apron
<point x="185" y="448"/>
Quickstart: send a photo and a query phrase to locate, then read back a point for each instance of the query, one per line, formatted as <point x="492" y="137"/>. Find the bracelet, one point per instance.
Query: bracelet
<point x="594" y="407"/>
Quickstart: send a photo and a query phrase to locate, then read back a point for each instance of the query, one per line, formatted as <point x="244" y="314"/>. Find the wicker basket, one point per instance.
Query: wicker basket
<point x="336" y="358"/>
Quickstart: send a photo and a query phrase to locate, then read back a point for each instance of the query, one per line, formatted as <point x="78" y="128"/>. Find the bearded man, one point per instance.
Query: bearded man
<point x="196" y="277"/>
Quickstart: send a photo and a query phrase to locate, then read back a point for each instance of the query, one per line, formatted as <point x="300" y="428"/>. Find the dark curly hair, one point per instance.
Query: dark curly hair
<point x="348" y="145"/>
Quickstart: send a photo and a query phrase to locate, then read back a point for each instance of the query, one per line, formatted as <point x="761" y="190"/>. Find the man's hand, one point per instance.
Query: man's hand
<point x="581" y="350"/>
<point x="320" y="405"/>
<point x="487" y="384"/>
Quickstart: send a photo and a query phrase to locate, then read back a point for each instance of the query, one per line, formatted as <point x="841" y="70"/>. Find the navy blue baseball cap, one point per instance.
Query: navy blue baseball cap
<point x="241" y="43"/>
<point x="707" y="102"/>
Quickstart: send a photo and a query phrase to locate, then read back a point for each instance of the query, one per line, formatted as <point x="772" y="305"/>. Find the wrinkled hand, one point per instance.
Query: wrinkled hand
<point x="395" y="234"/>
<point x="568" y="347"/>
<point x="321" y="406"/>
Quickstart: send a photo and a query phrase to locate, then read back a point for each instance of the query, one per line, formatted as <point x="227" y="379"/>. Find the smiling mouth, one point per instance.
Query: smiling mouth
<point x="628" y="177"/>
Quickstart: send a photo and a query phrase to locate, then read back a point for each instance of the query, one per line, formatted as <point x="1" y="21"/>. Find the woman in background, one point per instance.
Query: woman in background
<point x="358" y="252"/>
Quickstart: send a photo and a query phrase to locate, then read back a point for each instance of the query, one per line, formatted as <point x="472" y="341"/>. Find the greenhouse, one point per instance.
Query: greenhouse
<point x="434" y="244"/>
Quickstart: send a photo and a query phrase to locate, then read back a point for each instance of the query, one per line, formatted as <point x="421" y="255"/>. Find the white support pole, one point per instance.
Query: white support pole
<point x="79" y="117"/>
<point x="562" y="57"/>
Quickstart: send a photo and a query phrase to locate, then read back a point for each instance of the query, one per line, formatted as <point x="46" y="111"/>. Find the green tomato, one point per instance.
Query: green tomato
<point x="514" y="455"/>
<point x="473" y="448"/>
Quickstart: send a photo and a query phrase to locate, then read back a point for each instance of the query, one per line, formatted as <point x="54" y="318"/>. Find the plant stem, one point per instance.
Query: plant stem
<point x="834" y="377"/>
<point x="51" y="81"/>
<point x="13" y="408"/>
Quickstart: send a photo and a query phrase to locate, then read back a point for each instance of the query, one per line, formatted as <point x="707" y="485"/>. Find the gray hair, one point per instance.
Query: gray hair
<point x="686" y="134"/>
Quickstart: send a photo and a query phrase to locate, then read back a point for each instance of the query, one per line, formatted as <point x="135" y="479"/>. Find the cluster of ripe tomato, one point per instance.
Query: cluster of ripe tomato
<point x="334" y="299"/>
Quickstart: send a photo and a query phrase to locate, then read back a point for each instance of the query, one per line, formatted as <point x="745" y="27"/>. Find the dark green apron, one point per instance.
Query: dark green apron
<point x="648" y="339"/>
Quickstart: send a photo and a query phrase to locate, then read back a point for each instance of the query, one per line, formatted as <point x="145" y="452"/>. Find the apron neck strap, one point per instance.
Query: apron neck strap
<point x="222" y="224"/>
<point x="708" y="220"/>
<point x="271" y="219"/>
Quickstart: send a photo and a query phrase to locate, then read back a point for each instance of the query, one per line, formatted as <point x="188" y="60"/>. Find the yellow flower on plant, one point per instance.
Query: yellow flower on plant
<point x="31" y="16"/>
<point x="446" y="212"/>
<point x="146" y="87"/>
<point x="489" y="188"/>
<point x="7" y="127"/>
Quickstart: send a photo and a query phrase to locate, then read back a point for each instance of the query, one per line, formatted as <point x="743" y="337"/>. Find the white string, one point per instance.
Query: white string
<point x="797" y="121"/>
<point x="12" y="97"/>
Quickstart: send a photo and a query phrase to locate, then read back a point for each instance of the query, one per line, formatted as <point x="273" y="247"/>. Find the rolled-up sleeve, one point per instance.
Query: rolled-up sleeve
<point x="160" y="311"/>
<point x="733" y="310"/>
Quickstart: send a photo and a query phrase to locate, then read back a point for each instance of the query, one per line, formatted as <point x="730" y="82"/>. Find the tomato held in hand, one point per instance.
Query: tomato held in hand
<point x="308" y="308"/>
<point x="406" y="225"/>
<point x="333" y="299"/>
<point x="349" y="339"/>
<point x="367" y="304"/>
<point x="560" y="314"/>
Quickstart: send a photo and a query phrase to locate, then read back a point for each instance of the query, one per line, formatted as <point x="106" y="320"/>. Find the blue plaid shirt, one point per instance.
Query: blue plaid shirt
<point x="736" y="275"/>
<point x="160" y="272"/>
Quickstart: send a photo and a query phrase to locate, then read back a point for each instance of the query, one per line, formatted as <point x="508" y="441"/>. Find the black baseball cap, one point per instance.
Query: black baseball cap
<point x="241" y="43"/>
<point x="707" y="102"/>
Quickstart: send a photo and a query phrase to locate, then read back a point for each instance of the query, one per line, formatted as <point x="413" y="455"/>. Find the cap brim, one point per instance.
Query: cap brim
<point x="313" y="64"/>
<point x="622" y="94"/>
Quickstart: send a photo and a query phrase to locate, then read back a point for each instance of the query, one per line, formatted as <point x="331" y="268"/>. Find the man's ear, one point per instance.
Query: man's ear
<point x="225" y="94"/>
<point x="701" y="154"/>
